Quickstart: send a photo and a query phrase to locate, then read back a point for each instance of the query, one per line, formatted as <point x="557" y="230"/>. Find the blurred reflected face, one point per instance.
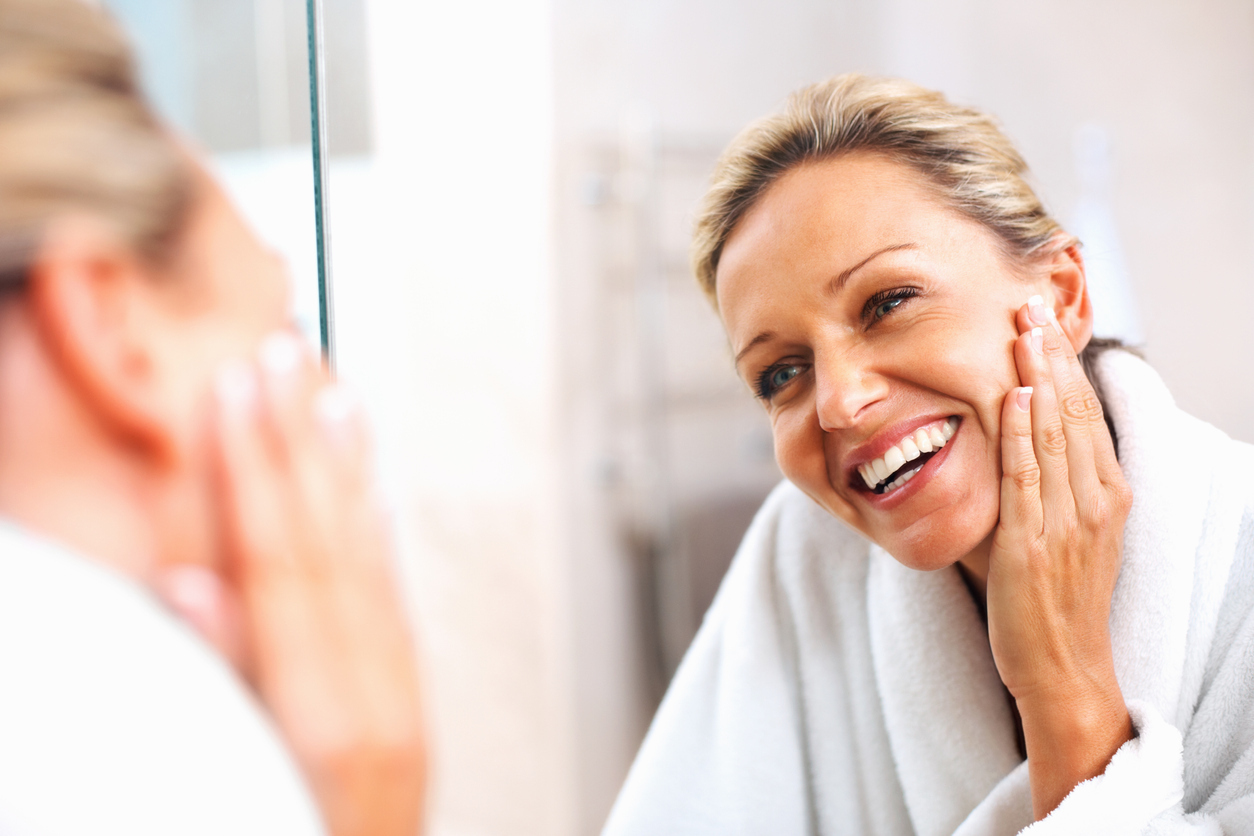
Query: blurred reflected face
<point x="226" y="292"/>
<point x="876" y="326"/>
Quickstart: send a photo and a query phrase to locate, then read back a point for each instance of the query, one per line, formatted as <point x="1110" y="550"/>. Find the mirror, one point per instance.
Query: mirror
<point x="236" y="76"/>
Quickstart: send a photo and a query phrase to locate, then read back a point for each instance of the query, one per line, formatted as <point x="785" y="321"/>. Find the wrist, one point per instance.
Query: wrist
<point x="1071" y="731"/>
<point x="1073" y="713"/>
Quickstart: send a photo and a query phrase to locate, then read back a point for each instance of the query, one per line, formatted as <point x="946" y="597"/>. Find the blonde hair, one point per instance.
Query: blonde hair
<point x="960" y="150"/>
<point x="76" y="134"/>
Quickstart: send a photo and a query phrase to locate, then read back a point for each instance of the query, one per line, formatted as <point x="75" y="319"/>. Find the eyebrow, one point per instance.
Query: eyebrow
<point x="760" y="338"/>
<point x="839" y="282"/>
<point x="832" y="286"/>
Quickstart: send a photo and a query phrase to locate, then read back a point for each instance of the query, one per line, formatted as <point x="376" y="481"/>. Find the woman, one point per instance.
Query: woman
<point x="131" y="286"/>
<point x="1051" y="621"/>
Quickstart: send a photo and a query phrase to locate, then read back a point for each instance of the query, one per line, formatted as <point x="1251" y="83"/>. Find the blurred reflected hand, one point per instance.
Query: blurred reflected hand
<point x="310" y="613"/>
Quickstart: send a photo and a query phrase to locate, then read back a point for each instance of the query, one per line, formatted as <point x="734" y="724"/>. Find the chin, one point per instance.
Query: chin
<point x="938" y="547"/>
<point x="923" y="560"/>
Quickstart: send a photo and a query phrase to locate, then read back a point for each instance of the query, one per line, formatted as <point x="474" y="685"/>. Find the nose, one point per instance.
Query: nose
<point x="845" y="389"/>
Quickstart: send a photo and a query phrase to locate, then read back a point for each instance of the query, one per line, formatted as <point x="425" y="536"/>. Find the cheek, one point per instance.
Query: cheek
<point x="798" y="446"/>
<point x="800" y="451"/>
<point x="978" y="367"/>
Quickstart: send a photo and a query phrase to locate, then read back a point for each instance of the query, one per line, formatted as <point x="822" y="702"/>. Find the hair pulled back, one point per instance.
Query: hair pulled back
<point x="960" y="150"/>
<point x="76" y="134"/>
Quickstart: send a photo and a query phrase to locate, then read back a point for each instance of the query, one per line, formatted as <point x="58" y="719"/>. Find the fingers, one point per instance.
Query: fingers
<point x="1071" y="439"/>
<point x="290" y="381"/>
<point x="248" y="470"/>
<point x="329" y="648"/>
<point x="259" y="528"/>
<point x="1049" y="438"/>
<point x="1021" y="477"/>
<point x="1081" y="408"/>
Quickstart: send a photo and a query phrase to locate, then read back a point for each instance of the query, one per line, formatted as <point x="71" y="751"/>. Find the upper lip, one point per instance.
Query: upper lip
<point x="884" y="440"/>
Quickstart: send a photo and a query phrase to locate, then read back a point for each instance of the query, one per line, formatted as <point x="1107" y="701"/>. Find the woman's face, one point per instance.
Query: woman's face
<point x="227" y="293"/>
<point x="221" y="295"/>
<point x="868" y="317"/>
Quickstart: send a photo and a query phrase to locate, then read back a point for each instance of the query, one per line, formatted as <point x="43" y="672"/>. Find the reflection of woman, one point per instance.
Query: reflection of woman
<point x="1077" y="645"/>
<point x="129" y="285"/>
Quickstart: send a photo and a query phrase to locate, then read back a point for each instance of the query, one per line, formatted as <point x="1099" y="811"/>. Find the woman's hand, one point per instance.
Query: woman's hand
<point x="310" y="612"/>
<point x="1054" y="562"/>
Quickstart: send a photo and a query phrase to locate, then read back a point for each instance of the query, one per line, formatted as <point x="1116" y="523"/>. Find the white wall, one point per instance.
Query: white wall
<point x="443" y="302"/>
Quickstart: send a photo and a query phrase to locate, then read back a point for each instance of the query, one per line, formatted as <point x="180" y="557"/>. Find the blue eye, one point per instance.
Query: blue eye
<point x="883" y="309"/>
<point x="782" y="375"/>
<point x="885" y="302"/>
<point x="776" y="377"/>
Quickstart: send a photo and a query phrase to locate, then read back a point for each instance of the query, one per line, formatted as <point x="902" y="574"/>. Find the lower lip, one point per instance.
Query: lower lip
<point x="888" y="501"/>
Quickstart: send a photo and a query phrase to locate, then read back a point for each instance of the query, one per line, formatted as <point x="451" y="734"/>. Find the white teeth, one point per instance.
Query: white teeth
<point x="923" y="440"/>
<point x="868" y="476"/>
<point x="901" y="480"/>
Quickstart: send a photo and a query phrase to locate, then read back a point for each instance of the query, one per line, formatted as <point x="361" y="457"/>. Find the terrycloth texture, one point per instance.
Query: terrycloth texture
<point x="832" y="690"/>
<point x="117" y="719"/>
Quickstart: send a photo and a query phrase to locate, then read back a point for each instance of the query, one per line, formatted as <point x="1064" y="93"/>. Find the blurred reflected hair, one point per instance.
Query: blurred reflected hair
<point x="961" y="151"/>
<point x="77" y="136"/>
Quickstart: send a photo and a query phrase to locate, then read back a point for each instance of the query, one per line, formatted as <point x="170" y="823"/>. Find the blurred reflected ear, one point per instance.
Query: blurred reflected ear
<point x="1071" y="295"/>
<point x="91" y="300"/>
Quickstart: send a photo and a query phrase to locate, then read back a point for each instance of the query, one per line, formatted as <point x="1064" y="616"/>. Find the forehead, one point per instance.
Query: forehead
<point x="832" y="206"/>
<point x="822" y="218"/>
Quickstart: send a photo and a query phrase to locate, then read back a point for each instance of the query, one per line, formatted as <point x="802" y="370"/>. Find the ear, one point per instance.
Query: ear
<point x="1070" y="295"/>
<point x="91" y="300"/>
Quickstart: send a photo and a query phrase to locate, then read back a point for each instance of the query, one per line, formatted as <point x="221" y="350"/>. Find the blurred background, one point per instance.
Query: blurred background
<point x="571" y="460"/>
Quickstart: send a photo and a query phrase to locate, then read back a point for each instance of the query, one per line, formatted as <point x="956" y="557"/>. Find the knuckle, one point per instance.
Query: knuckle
<point x="1094" y="514"/>
<point x="1053" y="440"/>
<point x="1106" y="513"/>
<point x="337" y="755"/>
<point x="401" y="760"/>
<point x="1020" y="429"/>
<point x="1081" y="404"/>
<point x="1121" y="498"/>
<point x="361" y="747"/>
<point x="1026" y="478"/>
<point x="1053" y="342"/>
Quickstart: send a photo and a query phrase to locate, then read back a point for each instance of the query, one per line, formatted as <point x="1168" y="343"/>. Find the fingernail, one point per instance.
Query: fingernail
<point x="1037" y="338"/>
<point x="1024" y="398"/>
<point x="236" y="387"/>
<point x="280" y="354"/>
<point x="336" y="407"/>
<point x="1037" y="312"/>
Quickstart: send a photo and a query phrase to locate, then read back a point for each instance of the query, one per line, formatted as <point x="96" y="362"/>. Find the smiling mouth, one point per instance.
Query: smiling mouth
<point x="903" y="460"/>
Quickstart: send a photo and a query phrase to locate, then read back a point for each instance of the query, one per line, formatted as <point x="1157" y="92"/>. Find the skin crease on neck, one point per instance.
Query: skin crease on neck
<point x="878" y="309"/>
<point x="106" y="368"/>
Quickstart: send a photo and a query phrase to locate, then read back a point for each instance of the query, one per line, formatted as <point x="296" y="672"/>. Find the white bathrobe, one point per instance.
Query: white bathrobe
<point x="117" y="720"/>
<point x="831" y="690"/>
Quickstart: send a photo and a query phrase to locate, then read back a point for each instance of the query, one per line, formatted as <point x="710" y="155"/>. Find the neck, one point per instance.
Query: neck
<point x="974" y="568"/>
<point x="61" y="474"/>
